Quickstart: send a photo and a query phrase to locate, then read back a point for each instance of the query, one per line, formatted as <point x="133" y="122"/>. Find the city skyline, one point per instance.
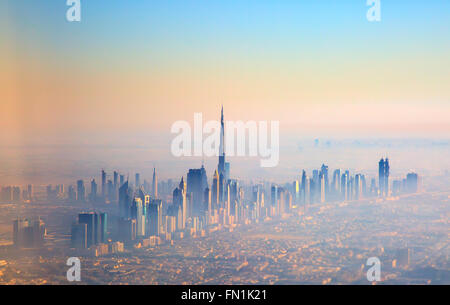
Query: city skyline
<point x="204" y="145"/>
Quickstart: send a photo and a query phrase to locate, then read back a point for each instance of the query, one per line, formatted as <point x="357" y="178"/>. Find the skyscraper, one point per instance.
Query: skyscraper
<point x="88" y="219"/>
<point x="124" y="200"/>
<point x="383" y="177"/>
<point x="93" y="194"/>
<point x="221" y="166"/>
<point x="103" y="184"/>
<point x="81" y="192"/>
<point x="155" y="184"/>
<point x="137" y="180"/>
<point x="324" y="172"/>
<point x="155" y="217"/>
<point x="196" y="184"/>
<point x="215" y="190"/>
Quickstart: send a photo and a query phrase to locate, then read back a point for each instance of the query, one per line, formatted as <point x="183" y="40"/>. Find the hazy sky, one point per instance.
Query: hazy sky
<point x="136" y="65"/>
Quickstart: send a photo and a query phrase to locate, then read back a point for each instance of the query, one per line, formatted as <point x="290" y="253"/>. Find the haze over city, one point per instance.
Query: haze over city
<point x="87" y="170"/>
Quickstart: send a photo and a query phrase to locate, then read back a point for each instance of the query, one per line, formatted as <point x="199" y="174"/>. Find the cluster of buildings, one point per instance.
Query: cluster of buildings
<point x="343" y="186"/>
<point x="196" y="206"/>
<point x="14" y="194"/>
<point x="28" y="233"/>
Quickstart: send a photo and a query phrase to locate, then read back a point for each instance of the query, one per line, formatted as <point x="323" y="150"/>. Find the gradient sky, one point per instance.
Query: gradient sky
<point x="316" y="66"/>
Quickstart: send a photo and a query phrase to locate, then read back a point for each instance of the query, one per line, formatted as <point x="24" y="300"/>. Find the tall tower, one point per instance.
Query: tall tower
<point x="381" y="177"/>
<point x="215" y="190"/>
<point x="221" y="166"/>
<point x="386" y="177"/>
<point x="155" y="184"/>
<point x="103" y="184"/>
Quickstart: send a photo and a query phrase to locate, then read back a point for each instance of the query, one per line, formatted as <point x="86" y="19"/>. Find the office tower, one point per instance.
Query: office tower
<point x="7" y="194"/>
<point x="95" y="231"/>
<point x="124" y="200"/>
<point x="303" y="187"/>
<point x="307" y="191"/>
<point x="296" y="191"/>
<point x="344" y="181"/>
<point x="274" y="195"/>
<point x="30" y="192"/>
<point x="103" y="184"/>
<point x="412" y="183"/>
<point x="351" y="188"/>
<point x="221" y="166"/>
<point x="51" y="194"/>
<point x="336" y="183"/>
<point x="326" y="190"/>
<point x="322" y="188"/>
<point x="116" y="184"/>
<point x="215" y="190"/>
<point x="207" y="201"/>
<point x="155" y="184"/>
<point x="88" y="219"/>
<point x="81" y="192"/>
<point x="315" y="190"/>
<point x="97" y="228"/>
<point x="155" y="217"/>
<point x="196" y="184"/>
<point x="139" y="216"/>
<point x="383" y="177"/>
<point x="180" y="202"/>
<point x="126" y="229"/>
<point x="137" y="180"/>
<point x="234" y="195"/>
<point x="60" y="190"/>
<point x="71" y="194"/>
<point x="16" y="194"/>
<point x="79" y="236"/>
<point x="364" y="186"/>
<point x="386" y="177"/>
<point x="358" y="187"/>
<point x="227" y="171"/>
<point x="93" y="194"/>
<point x="103" y="227"/>
<point x="121" y="180"/>
<point x="222" y="188"/>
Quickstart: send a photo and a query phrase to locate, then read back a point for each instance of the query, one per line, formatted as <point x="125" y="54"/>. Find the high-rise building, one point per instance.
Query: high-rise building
<point x="221" y="166"/>
<point x="103" y="184"/>
<point x="326" y="189"/>
<point x="124" y="200"/>
<point x="412" y="183"/>
<point x="79" y="236"/>
<point x="215" y="190"/>
<point x="296" y="191"/>
<point x="196" y="184"/>
<point x="81" y="192"/>
<point x="180" y="204"/>
<point x="30" y="192"/>
<point x="89" y="220"/>
<point x="93" y="194"/>
<point x="274" y="195"/>
<point x="383" y="177"/>
<point x="155" y="217"/>
<point x="155" y="184"/>
<point x="137" y="181"/>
